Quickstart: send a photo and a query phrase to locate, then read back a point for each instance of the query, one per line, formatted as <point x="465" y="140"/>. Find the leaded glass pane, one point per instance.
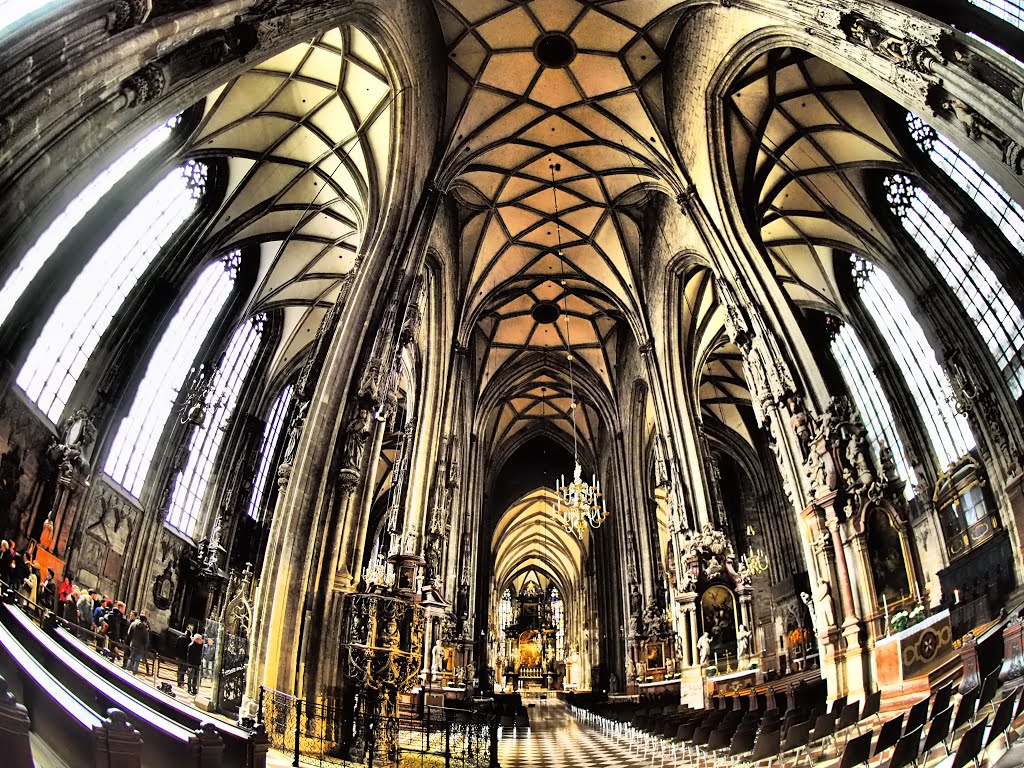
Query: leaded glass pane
<point x="78" y="323"/>
<point x="68" y="219"/>
<point x="12" y="11"/>
<point x="949" y="432"/>
<point x="268" y="449"/>
<point x="139" y="432"/>
<point x="979" y="186"/>
<point x="1007" y="10"/>
<point x="998" y="319"/>
<point x="204" y="443"/>
<point x="870" y="400"/>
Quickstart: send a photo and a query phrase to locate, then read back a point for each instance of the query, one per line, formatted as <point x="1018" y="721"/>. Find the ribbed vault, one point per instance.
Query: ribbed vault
<point x="802" y="134"/>
<point x="309" y="138"/>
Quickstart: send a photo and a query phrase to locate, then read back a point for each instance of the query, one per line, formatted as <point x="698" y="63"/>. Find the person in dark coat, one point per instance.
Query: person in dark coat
<point x="6" y="561"/>
<point x="180" y="651"/>
<point x="113" y="627"/>
<point x="48" y="592"/>
<point x="138" y="643"/>
<point x="194" y="655"/>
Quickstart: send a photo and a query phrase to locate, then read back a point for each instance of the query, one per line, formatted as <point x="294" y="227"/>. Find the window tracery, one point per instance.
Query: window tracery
<point x="268" y="450"/>
<point x="558" y="622"/>
<point x="83" y="315"/>
<point x="505" y="616"/>
<point x="998" y="319"/>
<point x="204" y="443"/>
<point x="76" y="210"/>
<point x="948" y="431"/>
<point x="870" y="399"/>
<point x="978" y="185"/>
<point x="137" y="436"/>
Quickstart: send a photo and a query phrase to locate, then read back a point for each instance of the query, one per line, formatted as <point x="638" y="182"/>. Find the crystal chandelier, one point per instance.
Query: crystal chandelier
<point x="578" y="506"/>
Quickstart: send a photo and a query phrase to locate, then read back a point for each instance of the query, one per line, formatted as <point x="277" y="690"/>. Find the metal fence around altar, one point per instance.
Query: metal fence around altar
<point x="317" y="733"/>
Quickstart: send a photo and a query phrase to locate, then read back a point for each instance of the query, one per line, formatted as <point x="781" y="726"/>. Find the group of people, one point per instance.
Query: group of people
<point x="118" y="631"/>
<point x="19" y="572"/>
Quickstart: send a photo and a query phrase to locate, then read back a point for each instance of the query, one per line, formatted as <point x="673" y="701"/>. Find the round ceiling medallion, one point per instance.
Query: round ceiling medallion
<point x="554" y="50"/>
<point x="545" y="312"/>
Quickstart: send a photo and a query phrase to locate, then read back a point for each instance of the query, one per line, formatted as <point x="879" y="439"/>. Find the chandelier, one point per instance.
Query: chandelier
<point x="204" y="394"/>
<point x="578" y="505"/>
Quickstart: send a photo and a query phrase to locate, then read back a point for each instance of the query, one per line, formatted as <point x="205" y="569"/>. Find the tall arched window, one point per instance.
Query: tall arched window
<point x="78" y="323"/>
<point x="999" y="320"/>
<point x="12" y="11"/>
<point x="204" y="443"/>
<point x="69" y="218"/>
<point x="505" y="617"/>
<point x="979" y="186"/>
<point x="949" y="432"/>
<point x="869" y="398"/>
<point x="558" y="622"/>
<point x="268" y="450"/>
<point x="135" y="442"/>
<point x="1007" y="10"/>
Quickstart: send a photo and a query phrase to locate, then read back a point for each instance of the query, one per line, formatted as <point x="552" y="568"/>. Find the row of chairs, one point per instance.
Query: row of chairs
<point x="706" y="736"/>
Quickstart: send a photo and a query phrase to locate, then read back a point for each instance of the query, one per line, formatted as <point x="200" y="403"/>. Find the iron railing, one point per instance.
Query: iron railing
<point x="318" y="733"/>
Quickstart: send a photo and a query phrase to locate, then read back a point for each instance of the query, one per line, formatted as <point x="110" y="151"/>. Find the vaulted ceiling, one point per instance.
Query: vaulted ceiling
<point x="555" y="126"/>
<point x="308" y="135"/>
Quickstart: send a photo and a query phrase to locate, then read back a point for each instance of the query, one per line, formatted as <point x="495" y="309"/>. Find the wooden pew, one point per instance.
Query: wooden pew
<point x="76" y="733"/>
<point x="242" y="748"/>
<point x="165" y="743"/>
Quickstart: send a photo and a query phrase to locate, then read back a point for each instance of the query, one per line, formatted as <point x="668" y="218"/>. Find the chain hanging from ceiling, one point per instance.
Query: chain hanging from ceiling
<point x="579" y="505"/>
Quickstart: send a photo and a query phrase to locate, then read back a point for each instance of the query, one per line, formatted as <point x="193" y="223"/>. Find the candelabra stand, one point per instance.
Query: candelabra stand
<point x="383" y="640"/>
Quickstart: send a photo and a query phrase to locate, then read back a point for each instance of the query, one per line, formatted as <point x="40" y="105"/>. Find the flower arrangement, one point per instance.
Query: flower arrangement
<point x="903" y="619"/>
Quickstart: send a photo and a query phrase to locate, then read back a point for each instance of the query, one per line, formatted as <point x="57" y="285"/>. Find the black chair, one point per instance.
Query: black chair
<point x="965" y="710"/>
<point x="1002" y="720"/>
<point x="918" y="716"/>
<point x="872" y="705"/>
<point x="837" y="705"/>
<point x="766" y="747"/>
<point x="849" y="717"/>
<point x="970" y="746"/>
<point x="1020" y="708"/>
<point x="857" y="751"/>
<point x="889" y="735"/>
<point x="824" y="730"/>
<point x="937" y="732"/>
<point x="796" y="738"/>
<point x="941" y="699"/>
<point x="742" y="743"/>
<point x="988" y="691"/>
<point x="906" y="750"/>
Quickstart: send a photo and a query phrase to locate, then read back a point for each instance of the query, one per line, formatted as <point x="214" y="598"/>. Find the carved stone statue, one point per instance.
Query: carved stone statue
<point x="799" y="423"/>
<point x="295" y="431"/>
<point x="826" y="608"/>
<point x="869" y="34"/>
<point x="742" y="640"/>
<point x="613" y="683"/>
<point x="356" y="432"/>
<point x="704" y="648"/>
<point x="437" y="657"/>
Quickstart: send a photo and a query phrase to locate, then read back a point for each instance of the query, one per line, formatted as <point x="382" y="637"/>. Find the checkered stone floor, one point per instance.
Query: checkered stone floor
<point x="556" y="740"/>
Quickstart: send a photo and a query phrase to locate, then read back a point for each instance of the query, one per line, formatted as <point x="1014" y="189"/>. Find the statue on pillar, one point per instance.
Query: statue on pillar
<point x="356" y="433"/>
<point x="437" y="659"/>
<point x="704" y="648"/>
<point x="799" y="423"/>
<point x="742" y="641"/>
<point x="826" y="608"/>
<point x="811" y="611"/>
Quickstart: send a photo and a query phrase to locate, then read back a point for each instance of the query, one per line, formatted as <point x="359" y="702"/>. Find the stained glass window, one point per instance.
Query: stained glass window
<point x="979" y="186"/>
<point x="78" y="323"/>
<point x="12" y="11"/>
<point x="558" y="622"/>
<point x="505" y="617"/>
<point x="204" y="443"/>
<point x="139" y="432"/>
<point x="69" y="218"/>
<point x="999" y="321"/>
<point x="1011" y="11"/>
<point x="948" y="431"/>
<point x="268" y="450"/>
<point x="870" y="399"/>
